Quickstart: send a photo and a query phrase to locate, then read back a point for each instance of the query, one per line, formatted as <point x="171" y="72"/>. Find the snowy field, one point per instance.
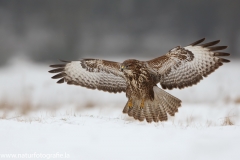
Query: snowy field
<point x="40" y="117"/>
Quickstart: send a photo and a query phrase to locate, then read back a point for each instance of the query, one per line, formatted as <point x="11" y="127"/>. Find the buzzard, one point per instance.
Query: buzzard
<point x="180" y="67"/>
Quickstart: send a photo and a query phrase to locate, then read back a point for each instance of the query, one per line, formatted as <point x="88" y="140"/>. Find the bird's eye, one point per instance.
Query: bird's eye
<point x="127" y="66"/>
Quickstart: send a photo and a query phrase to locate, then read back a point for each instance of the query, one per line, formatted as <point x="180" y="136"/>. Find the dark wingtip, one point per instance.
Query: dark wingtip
<point x="210" y="43"/>
<point x="64" y="61"/>
<point x="221" y="54"/>
<point x="58" y="65"/>
<point x="59" y="68"/>
<point x="61" y="81"/>
<point x="217" y="48"/>
<point x="197" y="42"/>
<point x="224" y="60"/>
<point x="60" y="75"/>
<point x="56" y="70"/>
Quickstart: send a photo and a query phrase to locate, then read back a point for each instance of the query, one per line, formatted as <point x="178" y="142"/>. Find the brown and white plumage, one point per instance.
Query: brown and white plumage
<point x="180" y="67"/>
<point x="183" y="67"/>
<point x="91" y="73"/>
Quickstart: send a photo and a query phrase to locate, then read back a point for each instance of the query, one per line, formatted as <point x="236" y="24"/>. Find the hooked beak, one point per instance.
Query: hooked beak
<point x="122" y="67"/>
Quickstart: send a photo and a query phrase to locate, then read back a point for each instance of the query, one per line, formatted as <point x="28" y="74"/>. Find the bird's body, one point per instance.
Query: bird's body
<point x="143" y="94"/>
<point x="140" y="81"/>
<point x="180" y="67"/>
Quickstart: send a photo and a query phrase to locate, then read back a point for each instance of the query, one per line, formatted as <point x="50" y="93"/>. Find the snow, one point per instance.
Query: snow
<point x="103" y="138"/>
<point x="39" y="116"/>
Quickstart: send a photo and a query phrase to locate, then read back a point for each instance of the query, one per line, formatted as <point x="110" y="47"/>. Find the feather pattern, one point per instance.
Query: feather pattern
<point x="91" y="73"/>
<point x="154" y="110"/>
<point x="180" y="67"/>
<point x="183" y="67"/>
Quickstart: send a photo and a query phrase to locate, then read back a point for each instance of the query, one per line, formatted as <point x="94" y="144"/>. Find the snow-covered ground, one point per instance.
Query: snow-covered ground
<point x="38" y="116"/>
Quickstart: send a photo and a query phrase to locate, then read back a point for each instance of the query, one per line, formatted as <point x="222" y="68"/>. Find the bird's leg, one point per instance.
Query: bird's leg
<point x="130" y="104"/>
<point x="142" y="104"/>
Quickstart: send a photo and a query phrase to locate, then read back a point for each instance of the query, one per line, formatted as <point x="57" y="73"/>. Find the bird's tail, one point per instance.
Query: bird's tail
<point x="155" y="110"/>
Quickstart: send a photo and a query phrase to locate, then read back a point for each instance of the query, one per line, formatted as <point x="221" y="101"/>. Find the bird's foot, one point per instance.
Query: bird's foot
<point x="130" y="104"/>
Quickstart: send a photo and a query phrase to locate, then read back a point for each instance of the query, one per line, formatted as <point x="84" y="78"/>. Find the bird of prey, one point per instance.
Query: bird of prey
<point x="180" y="67"/>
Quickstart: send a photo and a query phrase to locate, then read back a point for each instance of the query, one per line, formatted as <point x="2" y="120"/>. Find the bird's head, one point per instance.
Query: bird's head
<point x="128" y="66"/>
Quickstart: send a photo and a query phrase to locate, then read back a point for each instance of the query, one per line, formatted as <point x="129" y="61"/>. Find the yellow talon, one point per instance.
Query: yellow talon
<point x="130" y="103"/>
<point x="142" y="104"/>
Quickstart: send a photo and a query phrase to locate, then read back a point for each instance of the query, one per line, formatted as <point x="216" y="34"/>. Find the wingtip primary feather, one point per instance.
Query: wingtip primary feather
<point x="56" y="70"/>
<point x="210" y="43"/>
<point x="64" y="61"/>
<point x="60" y="75"/>
<point x="224" y="60"/>
<point x="216" y="48"/>
<point x="58" y="65"/>
<point x="221" y="54"/>
<point x="197" y="42"/>
<point x="61" y="81"/>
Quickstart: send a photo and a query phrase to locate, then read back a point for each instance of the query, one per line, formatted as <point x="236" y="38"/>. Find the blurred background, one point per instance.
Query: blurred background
<point x="44" y="30"/>
<point x="39" y="117"/>
<point x="35" y="34"/>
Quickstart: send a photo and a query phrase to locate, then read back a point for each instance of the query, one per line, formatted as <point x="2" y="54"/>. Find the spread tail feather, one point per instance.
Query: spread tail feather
<point x="155" y="110"/>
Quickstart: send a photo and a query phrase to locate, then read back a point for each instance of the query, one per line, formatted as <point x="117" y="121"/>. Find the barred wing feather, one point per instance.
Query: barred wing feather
<point x="184" y="66"/>
<point x="91" y="73"/>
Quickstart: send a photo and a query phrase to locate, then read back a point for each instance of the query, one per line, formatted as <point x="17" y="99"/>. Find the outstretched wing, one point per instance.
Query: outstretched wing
<point x="184" y="66"/>
<point x="91" y="73"/>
